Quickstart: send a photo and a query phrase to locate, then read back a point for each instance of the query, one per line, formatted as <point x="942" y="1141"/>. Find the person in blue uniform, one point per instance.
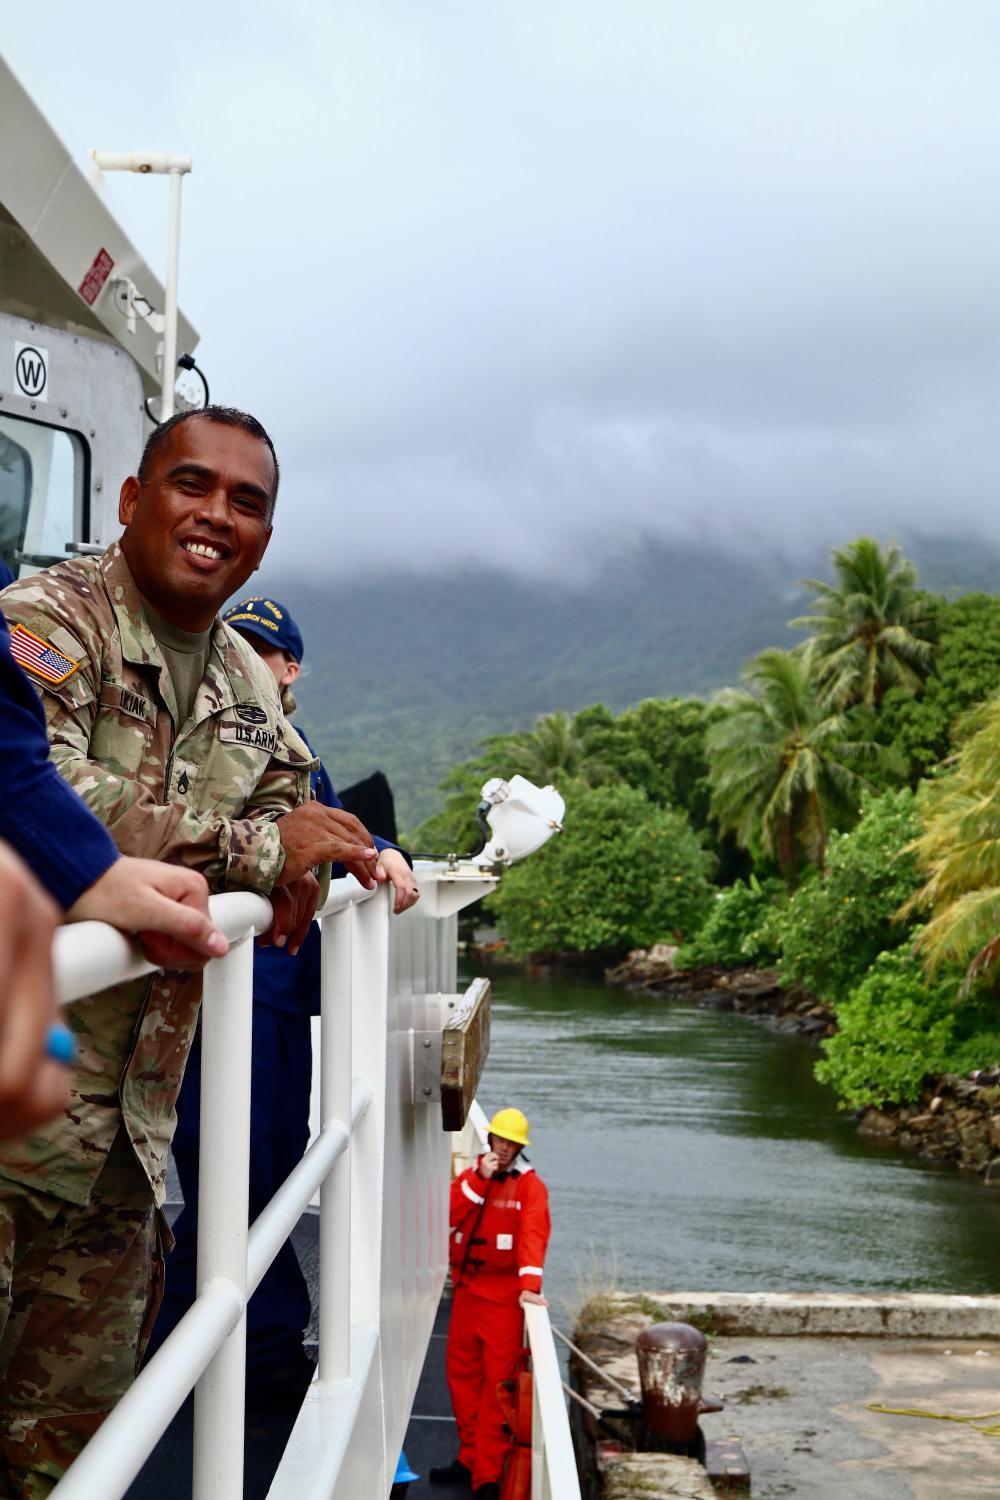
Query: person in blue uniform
<point x="52" y="829"/>
<point x="59" y="845"/>
<point x="286" y="996"/>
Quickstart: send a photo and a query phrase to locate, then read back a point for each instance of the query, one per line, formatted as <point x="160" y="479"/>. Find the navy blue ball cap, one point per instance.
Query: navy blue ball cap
<point x="268" y="621"/>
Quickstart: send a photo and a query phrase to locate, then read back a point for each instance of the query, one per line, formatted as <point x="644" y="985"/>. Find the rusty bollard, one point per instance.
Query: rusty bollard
<point x="671" y="1360"/>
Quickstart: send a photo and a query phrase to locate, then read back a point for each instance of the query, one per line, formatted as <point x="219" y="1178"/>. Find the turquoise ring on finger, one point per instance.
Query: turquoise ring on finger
<point x="60" y="1044"/>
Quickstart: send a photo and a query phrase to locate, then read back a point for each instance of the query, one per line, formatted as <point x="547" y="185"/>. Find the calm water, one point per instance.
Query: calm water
<point x="691" y="1149"/>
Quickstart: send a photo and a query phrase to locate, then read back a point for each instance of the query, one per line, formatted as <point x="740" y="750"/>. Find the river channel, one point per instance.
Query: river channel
<point x="692" y="1149"/>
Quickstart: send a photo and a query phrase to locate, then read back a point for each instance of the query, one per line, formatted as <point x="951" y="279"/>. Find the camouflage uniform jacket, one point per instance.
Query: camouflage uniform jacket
<point x="204" y="794"/>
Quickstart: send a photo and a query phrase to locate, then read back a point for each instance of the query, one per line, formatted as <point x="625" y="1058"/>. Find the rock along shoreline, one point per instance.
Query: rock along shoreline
<point x="956" y="1121"/>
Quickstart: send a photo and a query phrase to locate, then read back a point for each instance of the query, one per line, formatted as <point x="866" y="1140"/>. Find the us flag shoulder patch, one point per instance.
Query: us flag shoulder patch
<point x="40" y="657"/>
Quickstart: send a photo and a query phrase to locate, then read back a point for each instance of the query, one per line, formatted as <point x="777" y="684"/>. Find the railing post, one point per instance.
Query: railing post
<point x="369" y="990"/>
<point x="223" y="1199"/>
<point x="553" y="1463"/>
<point x="336" y="1077"/>
<point x="539" y="1468"/>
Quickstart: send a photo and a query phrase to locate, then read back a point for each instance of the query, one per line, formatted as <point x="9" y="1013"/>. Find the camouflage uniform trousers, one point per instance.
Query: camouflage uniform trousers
<point x="80" y="1285"/>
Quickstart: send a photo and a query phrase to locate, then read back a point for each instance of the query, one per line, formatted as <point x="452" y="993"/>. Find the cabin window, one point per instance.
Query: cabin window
<point x="43" y="486"/>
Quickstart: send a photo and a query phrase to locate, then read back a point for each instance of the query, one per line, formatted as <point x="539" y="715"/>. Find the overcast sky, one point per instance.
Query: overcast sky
<point x="526" y="279"/>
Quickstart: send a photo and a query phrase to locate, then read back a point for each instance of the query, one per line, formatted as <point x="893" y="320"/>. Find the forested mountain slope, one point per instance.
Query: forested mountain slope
<point x="409" y="671"/>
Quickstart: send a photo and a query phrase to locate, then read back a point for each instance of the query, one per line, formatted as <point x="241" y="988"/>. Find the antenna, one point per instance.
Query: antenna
<point x="166" y="323"/>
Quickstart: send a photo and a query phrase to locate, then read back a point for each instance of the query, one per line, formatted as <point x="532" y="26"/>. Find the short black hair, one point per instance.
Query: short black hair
<point x="227" y="416"/>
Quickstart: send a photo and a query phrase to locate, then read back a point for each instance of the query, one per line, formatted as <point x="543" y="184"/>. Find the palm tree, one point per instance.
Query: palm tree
<point x="781" y="761"/>
<point x="555" y="749"/>
<point x="873" y="628"/>
<point x="960" y="848"/>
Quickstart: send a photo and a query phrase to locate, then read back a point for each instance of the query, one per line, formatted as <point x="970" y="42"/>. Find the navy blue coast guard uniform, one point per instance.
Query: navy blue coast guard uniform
<point x="41" y="817"/>
<point x="285" y="997"/>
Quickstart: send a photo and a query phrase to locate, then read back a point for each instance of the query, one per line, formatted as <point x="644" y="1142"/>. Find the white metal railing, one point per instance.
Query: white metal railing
<point x="374" y="1146"/>
<point x="380" y="1161"/>
<point x="554" y="1474"/>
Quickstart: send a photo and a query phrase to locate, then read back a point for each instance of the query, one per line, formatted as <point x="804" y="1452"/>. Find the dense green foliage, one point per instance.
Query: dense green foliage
<point x="894" y="1029"/>
<point x="966" y="671"/>
<point x="860" y="767"/>
<point x="735" y="932"/>
<point x="835" y="926"/>
<point x="630" y="872"/>
<point x="557" y="749"/>
<point x="658" y="747"/>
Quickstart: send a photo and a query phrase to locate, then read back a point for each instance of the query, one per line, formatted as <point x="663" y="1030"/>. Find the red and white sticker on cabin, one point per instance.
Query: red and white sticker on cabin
<point x="90" y="286"/>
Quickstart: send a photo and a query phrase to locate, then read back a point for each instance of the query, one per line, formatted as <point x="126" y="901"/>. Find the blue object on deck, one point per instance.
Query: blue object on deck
<point x="404" y="1473"/>
<point x="60" y="1044"/>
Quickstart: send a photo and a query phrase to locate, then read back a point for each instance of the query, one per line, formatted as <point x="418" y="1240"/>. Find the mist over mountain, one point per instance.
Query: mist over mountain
<point x="408" y="671"/>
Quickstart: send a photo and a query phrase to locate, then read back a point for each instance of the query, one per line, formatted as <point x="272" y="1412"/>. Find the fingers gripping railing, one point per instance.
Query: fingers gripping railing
<point x="209" y="1344"/>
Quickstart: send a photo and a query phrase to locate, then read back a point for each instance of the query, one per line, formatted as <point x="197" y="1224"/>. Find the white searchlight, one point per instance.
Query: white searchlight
<point x="515" y="818"/>
<point x="521" y="818"/>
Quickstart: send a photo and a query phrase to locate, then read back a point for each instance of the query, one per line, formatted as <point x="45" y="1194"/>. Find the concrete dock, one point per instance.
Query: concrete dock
<point x="799" y="1374"/>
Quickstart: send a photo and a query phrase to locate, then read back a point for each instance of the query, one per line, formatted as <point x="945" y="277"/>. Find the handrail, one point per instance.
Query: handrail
<point x="90" y="956"/>
<point x="378" y="979"/>
<point x="272" y="1227"/>
<point x="207" y="1348"/>
<point x="554" y="1473"/>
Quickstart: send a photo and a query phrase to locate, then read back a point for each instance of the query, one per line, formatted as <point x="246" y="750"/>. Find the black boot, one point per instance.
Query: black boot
<point x="487" y="1492"/>
<point x="453" y="1473"/>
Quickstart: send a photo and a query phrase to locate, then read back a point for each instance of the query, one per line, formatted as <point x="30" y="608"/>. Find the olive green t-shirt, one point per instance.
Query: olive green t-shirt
<point x="186" y="655"/>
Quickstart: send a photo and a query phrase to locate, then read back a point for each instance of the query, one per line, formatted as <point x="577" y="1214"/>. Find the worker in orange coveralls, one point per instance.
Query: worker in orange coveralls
<point x="499" y="1233"/>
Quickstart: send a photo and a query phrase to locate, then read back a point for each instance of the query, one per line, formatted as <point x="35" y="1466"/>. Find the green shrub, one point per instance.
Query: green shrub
<point x="895" y="1028"/>
<point x="624" y="874"/>
<point x="925" y="729"/>
<point x="834" y="927"/>
<point x="980" y="1050"/>
<point x="731" y="934"/>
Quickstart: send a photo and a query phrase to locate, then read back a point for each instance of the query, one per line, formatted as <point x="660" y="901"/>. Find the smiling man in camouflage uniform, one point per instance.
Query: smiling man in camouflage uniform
<point x="169" y="726"/>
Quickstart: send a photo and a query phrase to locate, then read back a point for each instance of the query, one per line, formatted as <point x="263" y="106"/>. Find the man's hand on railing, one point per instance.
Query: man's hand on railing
<point x="32" y="1087"/>
<point x="315" y="835"/>
<point x="166" y="905"/>
<point x="294" y="907"/>
<point x="535" y="1298"/>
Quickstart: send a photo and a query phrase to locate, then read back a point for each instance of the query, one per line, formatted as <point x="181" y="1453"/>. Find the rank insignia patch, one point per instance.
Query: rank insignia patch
<point x="39" y="657"/>
<point x="250" y="713"/>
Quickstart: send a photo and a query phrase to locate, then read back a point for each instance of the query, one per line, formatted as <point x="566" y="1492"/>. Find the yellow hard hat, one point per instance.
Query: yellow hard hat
<point x="512" y="1125"/>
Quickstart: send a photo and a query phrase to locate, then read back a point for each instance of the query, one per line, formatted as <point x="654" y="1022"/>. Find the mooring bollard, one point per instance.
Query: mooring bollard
<point x="671" y="1360"/>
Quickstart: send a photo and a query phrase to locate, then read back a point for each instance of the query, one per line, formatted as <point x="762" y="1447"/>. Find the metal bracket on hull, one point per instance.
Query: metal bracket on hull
<point x="426" y="1066"/>
<point x="447" y="1063"/>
